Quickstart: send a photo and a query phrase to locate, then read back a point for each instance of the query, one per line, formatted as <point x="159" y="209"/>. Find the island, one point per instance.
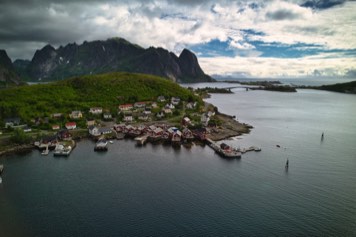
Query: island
<point x="347" y="87"/>
<point x="108" y="106"/>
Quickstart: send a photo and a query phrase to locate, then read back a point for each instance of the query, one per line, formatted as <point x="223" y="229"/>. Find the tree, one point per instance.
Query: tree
<point x="20" y="137"/>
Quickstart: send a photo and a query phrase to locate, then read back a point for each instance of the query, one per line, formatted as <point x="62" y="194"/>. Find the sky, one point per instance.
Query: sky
<point x="241" y="38"/>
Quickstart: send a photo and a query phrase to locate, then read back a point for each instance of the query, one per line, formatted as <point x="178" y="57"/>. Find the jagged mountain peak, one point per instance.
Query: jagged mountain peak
<point x="113" y="54"/>
<point x="8" y="75"/>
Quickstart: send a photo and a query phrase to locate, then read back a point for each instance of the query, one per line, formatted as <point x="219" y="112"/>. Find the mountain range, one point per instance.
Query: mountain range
<point x="111" y="55"/>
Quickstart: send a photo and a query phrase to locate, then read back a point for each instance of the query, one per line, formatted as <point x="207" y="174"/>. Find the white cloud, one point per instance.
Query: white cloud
<point x="178" y="24"/>
<point x="325" y="64"/>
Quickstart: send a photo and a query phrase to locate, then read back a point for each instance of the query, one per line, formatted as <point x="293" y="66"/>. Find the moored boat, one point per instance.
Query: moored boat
<point x="101" y="145"/>
<point x="62" y="150"/>
<point x="1" y="169"/>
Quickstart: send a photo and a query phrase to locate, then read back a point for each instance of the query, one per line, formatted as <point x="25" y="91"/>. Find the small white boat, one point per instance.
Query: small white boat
<point x="101" y="145"/>
<point x="45" y="152"/>
<point x="111" y="142"/>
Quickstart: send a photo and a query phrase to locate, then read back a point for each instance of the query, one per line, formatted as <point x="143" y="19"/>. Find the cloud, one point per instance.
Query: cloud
<point x="323" y="64"/>
<point x="322" y="4"/>
<point x="26" y="25"/>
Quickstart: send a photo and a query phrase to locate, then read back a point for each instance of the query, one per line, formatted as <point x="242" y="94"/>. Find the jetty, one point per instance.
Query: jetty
<point x="45" y="152"/>
<point x="223" y="150"/>
<point x="227" y="151"/>
<point x="141" y="140"/>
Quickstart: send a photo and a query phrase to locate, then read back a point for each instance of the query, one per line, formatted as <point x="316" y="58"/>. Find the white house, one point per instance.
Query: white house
<point x="167" y="111"/>
<point x="128" y="118"/>
<point x="104" y="131"/>
<point x="94" y="131"/>
<point x="175" y="100"/>
<point x="169" y="106"/>
<point x="154" y="105"/>
<point x="191" y="105"/>
<point x="71" y="125"/>
<point x="204" y="119"/>
<point x="107" y="116"/>
<point x="161" y="98"/>
<point x="143" y="117"/>
<point x="140" y="104"/>
<point x="96" y="110"/>
<point x="10" y="122"/>
<point x="125" y="107"/>
<point x="76" y="114"/>
<point x="160" y="114"/>
<point x="27" y="129"/>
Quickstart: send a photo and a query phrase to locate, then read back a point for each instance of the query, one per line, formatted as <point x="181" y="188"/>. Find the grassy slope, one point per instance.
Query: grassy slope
<point x="348" y="87"/>
<point x="81" y="93"/>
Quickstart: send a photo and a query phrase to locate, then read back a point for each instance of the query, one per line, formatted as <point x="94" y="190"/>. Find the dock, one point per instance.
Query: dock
<point x="45" y="152"/>
<point x="141" y="140"/>
<point x="229" y="152"/>
<point x="226" y="153"/>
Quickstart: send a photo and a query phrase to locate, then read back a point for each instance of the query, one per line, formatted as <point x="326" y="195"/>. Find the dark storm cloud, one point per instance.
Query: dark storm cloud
<point x="282" y="14"/>
<point x="35" y="23"/>
<point x="322" y="4"/>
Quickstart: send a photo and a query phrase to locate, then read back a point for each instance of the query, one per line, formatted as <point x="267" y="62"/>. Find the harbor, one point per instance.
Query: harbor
<point x="227" y="151"/>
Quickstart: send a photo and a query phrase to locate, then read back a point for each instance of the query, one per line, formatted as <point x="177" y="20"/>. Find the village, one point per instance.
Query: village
<point x="166" y="120"/>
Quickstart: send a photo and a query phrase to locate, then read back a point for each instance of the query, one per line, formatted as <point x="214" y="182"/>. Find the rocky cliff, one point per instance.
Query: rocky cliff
<point x="8" y="75"/>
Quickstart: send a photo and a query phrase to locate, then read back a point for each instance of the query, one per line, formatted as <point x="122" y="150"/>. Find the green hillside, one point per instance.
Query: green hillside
<point x="81" y="93"/>
<point x="348" y="87"/>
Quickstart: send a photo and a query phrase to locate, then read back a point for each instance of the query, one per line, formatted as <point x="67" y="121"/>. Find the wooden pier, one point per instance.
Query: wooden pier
<point x="226" y="153"/>
<point x="141" y="140"/>
<point x="230" y="152"/>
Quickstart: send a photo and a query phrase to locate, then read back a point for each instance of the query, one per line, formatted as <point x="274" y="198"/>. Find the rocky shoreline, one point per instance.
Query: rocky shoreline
<point x="16" y="149"/>
<point x="230" y="128"/>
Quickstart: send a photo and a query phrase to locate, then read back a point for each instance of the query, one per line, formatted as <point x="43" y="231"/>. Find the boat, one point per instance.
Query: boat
<point x="255" y="148"/>
<point x="61" y="150"/>
<point x="111" y="142"/>
<point x="101" y="145"/>
<point x="287" y="164"/>
<point x="322" y="136"/>
<point x="1" y="169"/>
<point x="45" y="152"/>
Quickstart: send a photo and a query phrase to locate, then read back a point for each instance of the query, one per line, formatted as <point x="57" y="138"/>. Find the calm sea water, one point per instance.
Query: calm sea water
<point x="158" y="190"/>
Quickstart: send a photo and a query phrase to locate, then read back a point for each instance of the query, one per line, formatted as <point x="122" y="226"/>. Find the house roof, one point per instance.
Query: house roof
<point x="16" y="120"/>
<point x="125" y="105"/>
<point x="102" y="130"/>
<point x="71" y="124"/>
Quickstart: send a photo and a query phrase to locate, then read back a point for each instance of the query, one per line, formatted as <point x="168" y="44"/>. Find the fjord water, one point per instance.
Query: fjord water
<point x="157" y="190"/>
